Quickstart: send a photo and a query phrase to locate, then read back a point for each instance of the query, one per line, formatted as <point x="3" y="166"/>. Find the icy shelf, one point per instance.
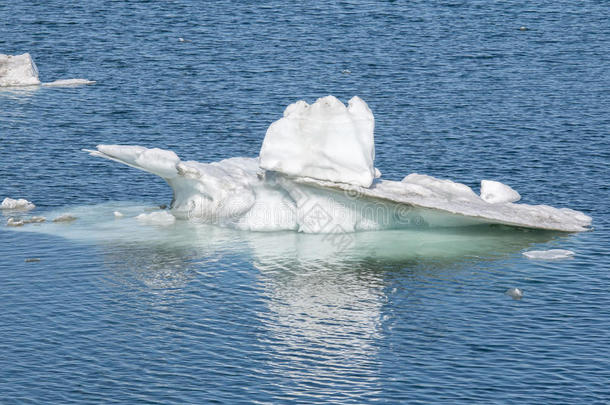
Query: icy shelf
<point x="315" y="174"/>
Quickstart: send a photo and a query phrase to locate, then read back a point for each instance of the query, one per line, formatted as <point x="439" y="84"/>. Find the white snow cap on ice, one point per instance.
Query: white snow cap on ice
<point x="18" y="70"/>
<point x="495" y="192"/>
<point x="324" y="141"/>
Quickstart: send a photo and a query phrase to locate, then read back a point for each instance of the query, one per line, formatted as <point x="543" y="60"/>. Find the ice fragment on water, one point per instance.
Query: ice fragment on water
<point x="552" y="254"/>
<point x="515" y="293"/>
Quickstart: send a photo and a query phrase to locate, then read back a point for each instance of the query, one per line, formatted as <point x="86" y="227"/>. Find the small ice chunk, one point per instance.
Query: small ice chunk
<point x="324" y="141"/>
<point x="552" y="254"/>
<point x="515" y="293"/>
<point x="65" y="218"/>
<point x="495" y="192"/>
<point x="118" y="214"/>
<point x="32" y="260"/>
<point x="162" y="218"/>
<point x="34" y="220"/>
<point x="68" y="82"/>
<point x="18" y="70"/>
<point x="20" y="204"/>
<point x="14" y="222"/>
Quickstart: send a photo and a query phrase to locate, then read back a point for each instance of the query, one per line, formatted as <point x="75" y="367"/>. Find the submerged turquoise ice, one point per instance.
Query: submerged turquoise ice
<point x="129" y="311"/>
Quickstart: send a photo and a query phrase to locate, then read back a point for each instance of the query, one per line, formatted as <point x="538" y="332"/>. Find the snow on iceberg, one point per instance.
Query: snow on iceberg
<point x="20" y="70"/>
<point x="315" y="174"/>
<point x="496" y="192"/>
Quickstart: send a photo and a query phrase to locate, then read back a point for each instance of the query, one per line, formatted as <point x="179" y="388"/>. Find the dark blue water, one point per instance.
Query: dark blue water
<point x="458" y="91"/>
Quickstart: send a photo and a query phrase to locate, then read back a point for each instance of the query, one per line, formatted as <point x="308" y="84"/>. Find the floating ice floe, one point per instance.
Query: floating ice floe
<point x="316" y="174"/>
<point x="118" y="214"/>
<point x="552" y="254"/>
<point x="162" y="218"/>
<point x="20" y="70"/>
<point x="19" y="204"/>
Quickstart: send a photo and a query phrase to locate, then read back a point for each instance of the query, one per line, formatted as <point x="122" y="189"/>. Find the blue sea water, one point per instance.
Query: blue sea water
<point x="458" y="90"/>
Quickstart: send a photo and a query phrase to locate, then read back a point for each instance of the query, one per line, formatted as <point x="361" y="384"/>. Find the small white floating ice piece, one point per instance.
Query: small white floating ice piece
<point x="162" y="218"/>
<point x="65" y="218"/>
<point x="495" y="192"/>
<point x="18" y="70"/>
<point x="324" y="141"/>
<point x="19" y="204"/>
<point x="14" y="222"/>
<point x="118" y="214"/>
<point x="68" y="82"/>
<point x="34" y="220"/>
<point x="515" y="293"/>
<point x="552" y="254"/>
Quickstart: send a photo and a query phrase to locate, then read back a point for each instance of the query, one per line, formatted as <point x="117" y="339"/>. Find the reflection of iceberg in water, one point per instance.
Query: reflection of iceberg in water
<point x="315" y="174"/>
<point x="321" y="311"/>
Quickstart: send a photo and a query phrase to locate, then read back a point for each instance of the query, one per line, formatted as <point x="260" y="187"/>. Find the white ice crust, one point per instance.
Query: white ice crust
<point x="20" y="70"/>
<point x="19" y="204"/>
<point x="315" y="175"/>
<point x="552" y="254"/>
<point x="324" y="141"/>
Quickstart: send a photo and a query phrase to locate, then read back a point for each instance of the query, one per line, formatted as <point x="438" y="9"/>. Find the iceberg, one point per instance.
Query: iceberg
<point x="315" y="174"/>
<point x="20" y="70"/>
